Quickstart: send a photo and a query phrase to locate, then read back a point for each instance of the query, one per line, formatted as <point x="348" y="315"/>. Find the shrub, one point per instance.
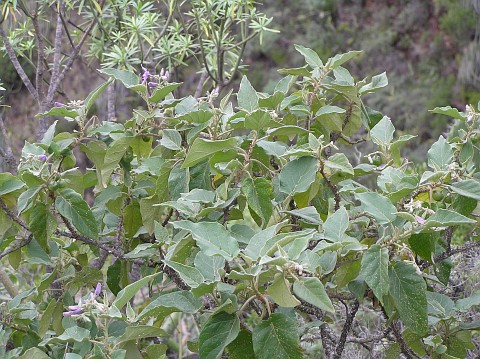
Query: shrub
<point x="205" y="226"/>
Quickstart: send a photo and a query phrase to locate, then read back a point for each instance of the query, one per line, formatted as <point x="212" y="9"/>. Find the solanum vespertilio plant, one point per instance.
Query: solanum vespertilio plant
<point x="249" y="225"/>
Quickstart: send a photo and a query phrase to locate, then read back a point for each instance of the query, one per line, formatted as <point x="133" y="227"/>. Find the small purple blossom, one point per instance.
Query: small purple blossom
<point x="145" y="75"/>
<point x="98" y="289"/>
<point x="420" y="220"/>
<point x="74" y="310"/>
<point x="42" y="157"/>
<point x="152" y="84"/>
<point x="167" y="75"/>
<point x="59" y="104"/>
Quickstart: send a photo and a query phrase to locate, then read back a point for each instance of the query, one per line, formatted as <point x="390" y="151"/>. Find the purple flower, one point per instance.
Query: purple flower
<point x="420" y="220"/>
<point x="42" y="157"/>
<point x="145" y="75"/>
<point x="59" y="104"/>
<point x="152" y="84"/>
<point x="98" y="289"/>
<point x="167" y="75"/>
<point x="74" y="310"/>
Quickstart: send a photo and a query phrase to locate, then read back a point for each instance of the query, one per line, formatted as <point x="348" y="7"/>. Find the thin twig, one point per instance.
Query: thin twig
<point x="17" y="246"/>
<point x="332" y="187"/>
<point x="445" y="255"/>
<point x="13" y="216"/>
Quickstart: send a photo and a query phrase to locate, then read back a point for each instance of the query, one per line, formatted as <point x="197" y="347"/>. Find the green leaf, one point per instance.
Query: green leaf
<point x="258" y="193"/>
<point x="71" y="205"/>
<point x="161" y="92"/>
<point x="72" y="334"/>
<point x="128" y="78"/>
<point x="202" y="149"/>
<point x="423" y="244"/>
<point x="220" y="330"/>
<point x="257" y="120"/>
<point x="312" y="291"/>
<point x="328" y="109"/>
<point x="440" y="155"/>
<point x="247" y="96"/>
<point x="378" y="206"/>
<point x="171" y="139"/>
<point x="340" y="59"/>
<point x="34" y="353"/>
<point x="382" y="133"/>
<point x="42" y="224"/>
<point x="408" y="290"/>
<point x="340" y="163"/>
<point x="114" y="154"/>
<point x="308" y="214"/>
<point x="258" y="241"/>
<point x="311" y="57"/>
<point x="165" y="304"/>
<point x="466" y="303"/>
<point x="92" y="97"/>
<point x="468" y="188"/>
<point x="132" y="219"/>
<point x="277" y="337"/>
<point x="114" y="275"/>
<point x="59" y="112"/>
<point x="297" y="175"/>
<point x="46" y="318"/>
<point x="140" y="332"/>
<point x="378" y="82"/>
<point x="242" y="346"/>
<point x="178" y="180"/>
<point x="449" y="111"/>
<point x="297" y="71"/>
<point x="190" y="275"/>
<point x="287" y="130"/>
<point x="130" y="290"/>
<point x="336" y="225"/>
<point x="279" y="290"/>
<point x="209" y="266"/>
<point x="211" y="237"/>
<point x="445" y="218"/>
<point x="375" y="270"/>
<point x="9" y="183"/>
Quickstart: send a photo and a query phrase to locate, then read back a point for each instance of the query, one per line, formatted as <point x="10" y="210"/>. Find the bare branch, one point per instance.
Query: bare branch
<point x="57" y="52"/>
<point x="72" y="57"/>
<point x="21" y="72"/>
<point x="41" y="59"/>
<point x="346" y="329"/>
<point x="7" y="283"/>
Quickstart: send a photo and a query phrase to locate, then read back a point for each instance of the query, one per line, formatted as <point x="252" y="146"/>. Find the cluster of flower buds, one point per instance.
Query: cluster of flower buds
<point x="164" y="76"/>
<point x="472" y="115"/>
<point x="72" y="104"/>
<point x="91" y="302"/>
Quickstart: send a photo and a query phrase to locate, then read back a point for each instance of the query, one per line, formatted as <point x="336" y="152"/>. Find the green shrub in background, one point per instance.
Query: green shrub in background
<point x="234" y="225"/>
